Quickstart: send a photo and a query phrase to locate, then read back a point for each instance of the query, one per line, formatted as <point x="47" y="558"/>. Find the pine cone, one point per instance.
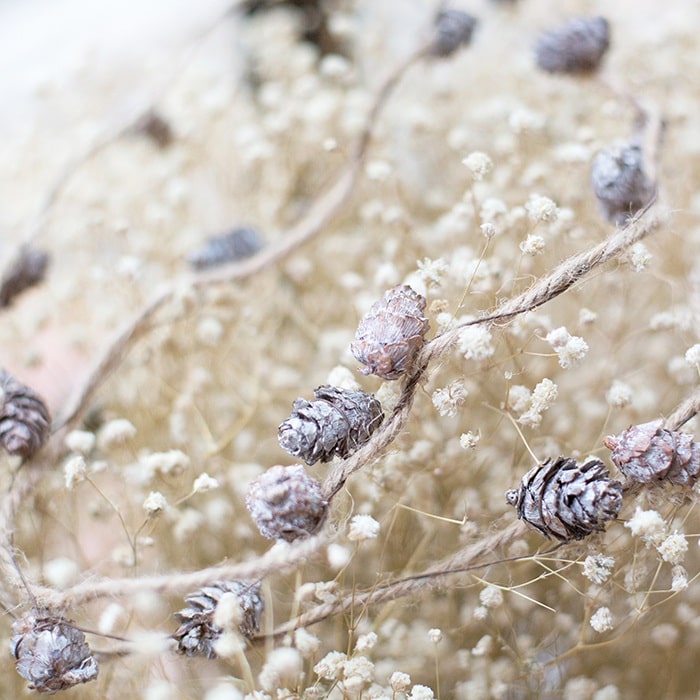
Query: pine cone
<point x="575" y="47"/>
<point x="237" y="244"/>
<point x="26" y="271"/>
<point x="648" y="452"/>
<point x="286" y="503"/>
<point x="24" y="417"/>
<point x="565" y="500"/>
<point x="197" y="633"/>
<point x="619" y="182"/>
<point x="453" y="29"/>
<point x="391" y="333"/>
<point x="51" y="653"/>
<point x="338" y="422"/>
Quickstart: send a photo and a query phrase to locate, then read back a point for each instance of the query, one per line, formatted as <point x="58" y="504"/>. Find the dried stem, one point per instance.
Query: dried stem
<point x="278" y="558"/>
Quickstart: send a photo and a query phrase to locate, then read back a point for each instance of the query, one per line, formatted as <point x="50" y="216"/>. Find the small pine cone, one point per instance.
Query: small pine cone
<point x="575" y="47"/>
<point x="453" y="29"/>
<point x="648" y="452"/>
<point x="197" y="632"/>
<point x="26" y="271"/>
<point x="24" y="417"/>
<point x="565" y="500"/>
<point x="237" y="244"/>
<point x="619" y="182"/>
<point x="286" y="503"/>
<point x="155" y="127"/>
<point x="391" y="333"/>
<point x="51" y="653"/>
<point x="338" y="422"/>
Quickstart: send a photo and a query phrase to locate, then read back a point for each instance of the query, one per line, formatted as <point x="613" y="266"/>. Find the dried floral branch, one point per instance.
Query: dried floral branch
<point x="321" y="212"/>
<point x="558" y="281"/>
<point x="276" y="559"/>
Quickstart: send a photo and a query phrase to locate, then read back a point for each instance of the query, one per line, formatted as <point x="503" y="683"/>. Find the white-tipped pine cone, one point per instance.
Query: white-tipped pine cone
<point x="197" y="633"/>
<point x="338" y="422"/>
<point x="24" y="417"/>
<point x="453" y="29"/>
<point x="51" y="653"/>
<point x="619" y="182"/>
<point x="391" y="333"/>
<point x="648" y="452"/>
<point x="286" y="503"/>
<point x="27" y="271"/>
<point x="575" y="47"/>
<point x="238" y="244"/>
<point x="565" y="500"/>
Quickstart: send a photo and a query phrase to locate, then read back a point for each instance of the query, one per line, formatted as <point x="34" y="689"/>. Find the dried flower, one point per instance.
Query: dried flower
<point x="647" y="524"/>
<point x="80" y="441"/>
<point x="204" y="483"/>
<point x="337" y="422"/>
<point x="24" y="417"/>
<point x="74" y="471"/>
<point x="448" y="400"/>
<point x="330" y="667"/>
<point x="619" y="182"/>
<point x="602" y="620"/>
<point x="575" y="47"/>
<point x="286" y="503"/>
<point x="692" y="355"/>
<point x="25" y="272"/>
<point x="479" y="164"/>
<point x="363" y="527"/>
<point x="673" y="548"/>
<point x="453" y="29"/>
<point x="491" y="597"/>
<point x="648" y="452"/>
<point x="237" y="244"/>
<point x="565" y="500"/>
<point x="399" y="681"/>
<point x="197" y="633"/>
<point x="115" y="433"/>
<point x="391" y="333"/>
<point x="597" y="567"/>
<point x="155" y="503"/>
<point x="570" y="349"/>
<point x="51" y="653"/>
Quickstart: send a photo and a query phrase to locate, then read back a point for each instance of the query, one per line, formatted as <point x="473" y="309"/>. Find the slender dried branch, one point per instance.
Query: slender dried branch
<point x="276" y="559"/>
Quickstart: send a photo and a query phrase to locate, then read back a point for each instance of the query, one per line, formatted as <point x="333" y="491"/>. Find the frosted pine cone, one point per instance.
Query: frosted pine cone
<point x="453" y="29"/>
<point x="565" y="500"/>
<point x="575" y="47"/>
<point x="197" y="633"/>
<point x="649" y="452"/>
<point x="51" y="653"/>
<point x="237" y="244"/>
<point x="619" y="182"/>
<point x="391" y="333"/>
<point x="24" y="417"/>
<point x="338" y="422"/>
<point x="286" y="503"/>
<point x="27" y="270"/>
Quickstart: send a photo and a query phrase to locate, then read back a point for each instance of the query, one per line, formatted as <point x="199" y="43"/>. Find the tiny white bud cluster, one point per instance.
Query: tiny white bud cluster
<point x="571" y="349"/>
<point x="363" y="527"/>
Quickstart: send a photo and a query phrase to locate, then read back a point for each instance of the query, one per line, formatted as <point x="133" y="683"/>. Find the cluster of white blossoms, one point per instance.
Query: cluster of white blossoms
<point x="570" y="349"/>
